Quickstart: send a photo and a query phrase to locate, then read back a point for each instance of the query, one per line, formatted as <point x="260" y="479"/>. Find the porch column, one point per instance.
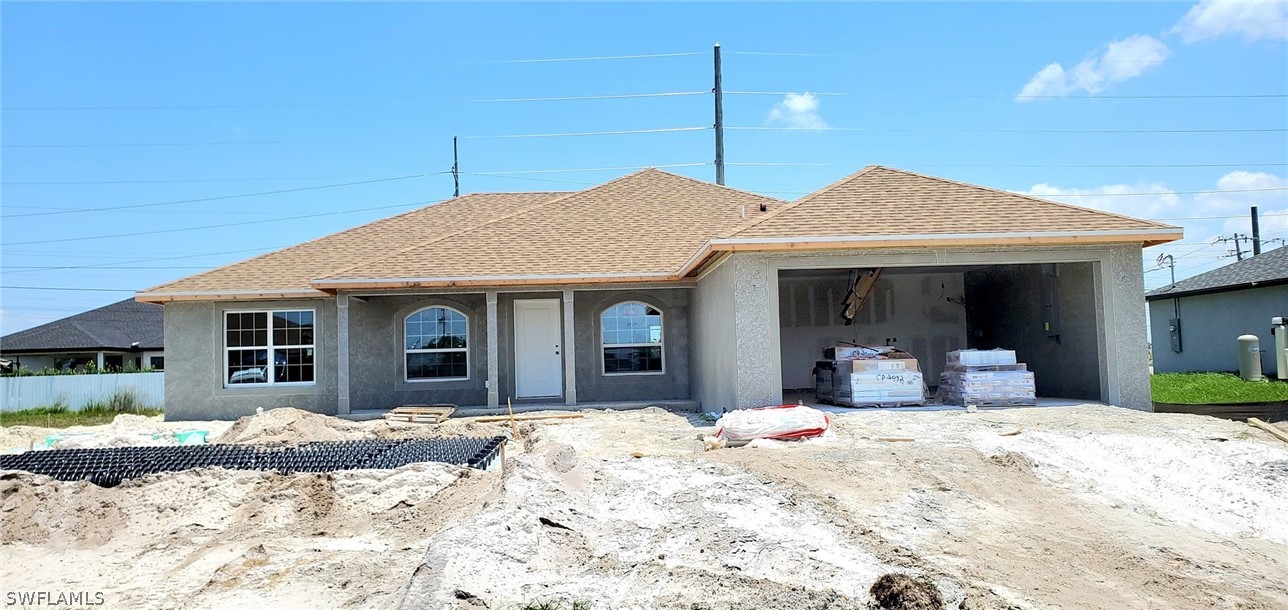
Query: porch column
<point x="99" y="362"/>
<point x="569" y="351"/>
<point x="342" y="353"/>
<point x="493" y="358"/>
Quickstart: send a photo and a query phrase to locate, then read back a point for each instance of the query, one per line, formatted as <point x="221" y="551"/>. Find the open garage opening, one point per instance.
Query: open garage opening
<point x="1046" y="313"/>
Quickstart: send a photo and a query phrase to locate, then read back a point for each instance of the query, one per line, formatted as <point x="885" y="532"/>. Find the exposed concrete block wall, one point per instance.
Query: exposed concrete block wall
<point x="1006" y="310"/>
<point x="593" y="385"/>
<point x="1210" y="326"/>
<point x="195" y="363"/>
<point x="377" y="362"/>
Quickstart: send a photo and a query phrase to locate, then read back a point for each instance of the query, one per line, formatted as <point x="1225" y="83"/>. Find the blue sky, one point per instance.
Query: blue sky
<point x="110" y="105"/>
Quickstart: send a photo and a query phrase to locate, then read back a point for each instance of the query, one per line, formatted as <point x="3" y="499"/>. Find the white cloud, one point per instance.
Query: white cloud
<point x="1207" y="214"/>
<point x="1119" y="61"/>
<point x="1253" y="20"/>
<point x="1117" y="198"/>
<point x="798" y="110"/>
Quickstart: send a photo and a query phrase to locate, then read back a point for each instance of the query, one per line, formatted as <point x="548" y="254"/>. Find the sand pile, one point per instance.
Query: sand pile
<point x="228" y="538"/>
<point x="644" y="533"/>
<point x="125" y="430"/>
<point x="291" y="425"/>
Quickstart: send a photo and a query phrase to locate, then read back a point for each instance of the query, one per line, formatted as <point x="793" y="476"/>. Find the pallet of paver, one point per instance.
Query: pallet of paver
<point x="987" y="388"/>
<point x="883" y="388"/>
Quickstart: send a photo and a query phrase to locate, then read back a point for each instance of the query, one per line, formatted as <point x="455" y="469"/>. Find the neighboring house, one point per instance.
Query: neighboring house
<point x="1213" y="309"/>
<point x="123" y="335"/>
<point x="655" y="287"/>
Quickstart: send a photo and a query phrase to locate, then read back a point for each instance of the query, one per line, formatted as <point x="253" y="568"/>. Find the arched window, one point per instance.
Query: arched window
<point x="631" y="333"/>
<point x="436" y="341"/>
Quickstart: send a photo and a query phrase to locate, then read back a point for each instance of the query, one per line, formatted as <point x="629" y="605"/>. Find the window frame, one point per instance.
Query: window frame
<point x="469" y="367"/>
<point x="270" y="348"/>
<point x="661" y="344"/>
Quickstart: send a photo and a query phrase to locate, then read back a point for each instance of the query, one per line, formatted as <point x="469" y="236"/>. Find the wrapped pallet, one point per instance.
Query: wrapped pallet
<point x="887" y="382"/>
<point x="986" y="378"/>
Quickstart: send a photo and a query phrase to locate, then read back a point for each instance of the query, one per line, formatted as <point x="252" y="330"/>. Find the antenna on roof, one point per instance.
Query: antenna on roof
<point x="456" y="170"/>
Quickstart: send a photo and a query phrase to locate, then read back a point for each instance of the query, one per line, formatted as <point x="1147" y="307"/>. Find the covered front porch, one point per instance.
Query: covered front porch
<point x="535" y="347"/>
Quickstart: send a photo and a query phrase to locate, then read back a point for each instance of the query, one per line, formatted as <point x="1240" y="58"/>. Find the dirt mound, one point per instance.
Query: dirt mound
<point x="291" y="425"/>
<point x="896" y="591"/>
<point x="1013" y="460"/>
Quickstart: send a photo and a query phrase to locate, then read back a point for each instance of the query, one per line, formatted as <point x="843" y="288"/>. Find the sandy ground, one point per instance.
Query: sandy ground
<point x="1086" y="507"/>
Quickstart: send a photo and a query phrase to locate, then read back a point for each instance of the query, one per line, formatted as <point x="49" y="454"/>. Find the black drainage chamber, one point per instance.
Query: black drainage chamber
<point x="107" y="467"/>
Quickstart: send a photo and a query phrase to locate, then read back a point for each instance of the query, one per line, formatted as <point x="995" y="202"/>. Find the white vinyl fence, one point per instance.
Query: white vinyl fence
<point x="18" y="393"/>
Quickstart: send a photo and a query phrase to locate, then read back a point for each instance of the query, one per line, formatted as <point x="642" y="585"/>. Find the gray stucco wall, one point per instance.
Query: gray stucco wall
<point x="593" y="385"/>
<point x="714" y="340"/>
<point x="376" y="358"/>
<point x="1005" y="308"/>
<point x="747" y="282"/>
<point x="194" y="363"/>
<point x="1210" y="325"/>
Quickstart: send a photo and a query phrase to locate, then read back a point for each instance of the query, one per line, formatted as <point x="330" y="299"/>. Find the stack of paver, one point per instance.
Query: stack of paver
<point x="986" y="378"/>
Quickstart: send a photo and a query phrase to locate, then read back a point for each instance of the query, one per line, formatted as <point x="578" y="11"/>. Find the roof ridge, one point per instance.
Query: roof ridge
<point x="795" y="204"/>
<point x="1027" y="196"/>
<point x="718" y="186"/>
<point x="1180" y="286"/>
<point x="340" y="232"/>
<point x="522" y="210"/>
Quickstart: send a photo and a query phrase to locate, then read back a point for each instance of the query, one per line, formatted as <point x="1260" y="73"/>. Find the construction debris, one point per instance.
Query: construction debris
<point x="421" y="414"/>
<point x="1275" y="432"/>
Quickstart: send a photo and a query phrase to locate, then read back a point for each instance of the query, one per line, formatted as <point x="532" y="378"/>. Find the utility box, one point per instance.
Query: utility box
<point x="1250" y="358"/>
<point x="1174" y="329"/>
<point x="1279" y="328"/>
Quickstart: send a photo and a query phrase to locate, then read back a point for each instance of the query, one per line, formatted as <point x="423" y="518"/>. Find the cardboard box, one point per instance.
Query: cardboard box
<point x="900" y="364"/>
<point x="980" y="357"/>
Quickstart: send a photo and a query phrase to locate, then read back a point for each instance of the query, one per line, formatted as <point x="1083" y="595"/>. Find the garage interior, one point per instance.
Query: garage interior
<point x="1046" y="313"/>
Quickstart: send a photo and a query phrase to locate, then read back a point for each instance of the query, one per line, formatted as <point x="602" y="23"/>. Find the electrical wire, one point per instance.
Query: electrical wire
<point x="569" y="98"/>
<point x="588" y="133"/>
<point x="588" y="169"/>
<point x="1037" y="131"/>
<point x="78" y="289"/>
<point x="178" y="181"/>
<point x="154" y="144"/>
<point x="218" y="226"/>
<point x="599" y="58"/>
<point x="223" y="197"/>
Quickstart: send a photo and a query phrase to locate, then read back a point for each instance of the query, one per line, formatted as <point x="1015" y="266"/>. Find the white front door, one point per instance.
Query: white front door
<point x="538" y="365"/>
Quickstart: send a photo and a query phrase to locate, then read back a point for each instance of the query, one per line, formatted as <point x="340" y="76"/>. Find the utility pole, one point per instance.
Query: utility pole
<point x="456" y="170"/>
<point x="1256" y="232"/>
<point x="1236" y="238"/>
<point x="719" y="91"/>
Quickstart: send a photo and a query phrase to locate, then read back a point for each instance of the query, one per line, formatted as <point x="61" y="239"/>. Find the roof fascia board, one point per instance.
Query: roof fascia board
<point x="230" y="295"/>
<point x="489" y="280"/>
<point x="1217" y="289"/>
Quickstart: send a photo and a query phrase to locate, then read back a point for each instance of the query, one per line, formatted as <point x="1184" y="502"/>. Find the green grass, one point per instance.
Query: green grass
<point x="93" y="413"/>
<point x="1214" y="388"/>
<point x="50" y="417"/>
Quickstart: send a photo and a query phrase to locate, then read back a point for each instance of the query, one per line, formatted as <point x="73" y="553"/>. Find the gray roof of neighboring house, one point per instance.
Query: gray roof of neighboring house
<point x="111" y="327"/>
<point x="1265" y="269"/>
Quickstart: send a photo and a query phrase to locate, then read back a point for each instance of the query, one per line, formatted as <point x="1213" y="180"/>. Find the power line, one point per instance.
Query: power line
<point x="782" y="93"/>
<point x="535" y="179"/>
<point x="60" y="288"/>
<point x="177" y="181"/>
<point x="1157" y="193"/>
<point x="588" y="133"/>
<point x="587" y="169"/>
<point x="152" y="260"/>
<point x="104" y="267"/>
<point x="599" y="58"/>
<point x="1039" y="131"/>
<point x="155" y="144"/>
<point x="218" y="226"/>
<point x="568" y="98"/>
<point x="221" y="198"/>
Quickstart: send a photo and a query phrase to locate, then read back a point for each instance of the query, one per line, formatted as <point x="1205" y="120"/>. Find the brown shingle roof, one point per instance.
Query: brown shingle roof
<point x="650" y="225"/>
<point x="644" y="224"/>
<point x="880" y="201"/>
<point x="293" y="268"/>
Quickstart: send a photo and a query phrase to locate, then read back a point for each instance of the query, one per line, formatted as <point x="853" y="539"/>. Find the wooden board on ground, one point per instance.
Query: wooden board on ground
<point x="492" y="418"/>
<point x="420" y="414"/>
<point x="1275" y="432"/>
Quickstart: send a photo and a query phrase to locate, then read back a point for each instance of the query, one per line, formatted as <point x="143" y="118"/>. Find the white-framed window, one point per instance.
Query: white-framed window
<point x="631" y="335"/>
<point x="269" y="347"/>
<point x="436" y="344"/>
